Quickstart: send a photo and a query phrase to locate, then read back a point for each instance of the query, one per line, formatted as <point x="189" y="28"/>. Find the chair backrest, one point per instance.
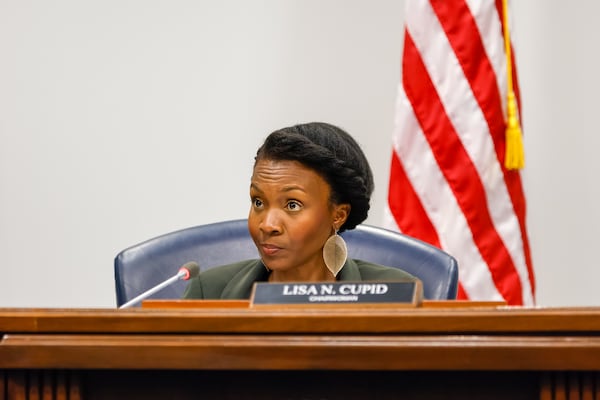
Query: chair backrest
<point x="142" y="266"/>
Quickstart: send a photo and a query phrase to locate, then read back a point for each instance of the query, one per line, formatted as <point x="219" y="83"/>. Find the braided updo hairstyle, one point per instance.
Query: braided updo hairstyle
<point x="334" y="155"/>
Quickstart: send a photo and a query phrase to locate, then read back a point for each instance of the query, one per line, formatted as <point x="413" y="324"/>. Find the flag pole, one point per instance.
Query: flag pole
<point x="515" y="155"/>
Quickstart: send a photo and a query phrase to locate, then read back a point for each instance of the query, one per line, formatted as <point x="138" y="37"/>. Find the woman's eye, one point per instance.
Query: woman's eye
<point x="294" y="206"/>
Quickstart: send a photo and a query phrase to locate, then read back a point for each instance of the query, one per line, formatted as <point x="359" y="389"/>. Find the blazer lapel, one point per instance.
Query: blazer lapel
<point x="240" y="286"/>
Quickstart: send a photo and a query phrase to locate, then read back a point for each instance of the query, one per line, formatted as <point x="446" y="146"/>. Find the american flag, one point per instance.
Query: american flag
<point x="449" y="185"/>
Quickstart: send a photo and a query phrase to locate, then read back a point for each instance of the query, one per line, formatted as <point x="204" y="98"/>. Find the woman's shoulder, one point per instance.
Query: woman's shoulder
<point x="229" y="270"/>
<point x="372" y="272"/>
<point x="211" y="283"/>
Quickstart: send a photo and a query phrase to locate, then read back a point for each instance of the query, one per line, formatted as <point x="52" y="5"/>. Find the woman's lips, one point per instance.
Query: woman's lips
<point x="269" y="249"/>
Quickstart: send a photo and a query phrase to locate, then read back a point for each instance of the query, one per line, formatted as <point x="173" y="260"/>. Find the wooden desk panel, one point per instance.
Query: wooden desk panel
<point x="300" y="352"/>
<point x="436" y="320"/>
<point x="233" y="352"/>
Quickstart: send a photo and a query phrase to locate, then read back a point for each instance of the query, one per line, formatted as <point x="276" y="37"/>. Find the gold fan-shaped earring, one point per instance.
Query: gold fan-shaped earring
<point x="335" y="253"/>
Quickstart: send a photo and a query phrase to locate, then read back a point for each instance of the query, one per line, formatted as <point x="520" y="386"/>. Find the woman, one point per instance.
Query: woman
<point x="309" y="183"/>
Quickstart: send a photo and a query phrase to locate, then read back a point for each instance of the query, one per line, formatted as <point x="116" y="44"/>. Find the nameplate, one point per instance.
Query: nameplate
<point x="346" y="293"/>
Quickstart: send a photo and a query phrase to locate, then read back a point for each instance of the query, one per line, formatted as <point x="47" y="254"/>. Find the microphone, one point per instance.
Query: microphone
<point x="187" y="271"/>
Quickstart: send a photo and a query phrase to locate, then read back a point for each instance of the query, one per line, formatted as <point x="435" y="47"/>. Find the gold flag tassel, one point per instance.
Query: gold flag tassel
<point x="515" y="154"/>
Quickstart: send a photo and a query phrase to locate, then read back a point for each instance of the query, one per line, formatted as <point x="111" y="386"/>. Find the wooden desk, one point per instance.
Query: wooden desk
<point x="236" y="353"/>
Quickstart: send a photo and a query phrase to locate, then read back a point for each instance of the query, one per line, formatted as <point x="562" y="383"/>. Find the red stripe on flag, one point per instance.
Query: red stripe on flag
<point x="406" y="206"/>
<point x="463" y="34"/>
<point x="461" y="294"/>
<point x="408" y="212"/>
<point x="515" y="190"/>
<point x="459" y="171"/>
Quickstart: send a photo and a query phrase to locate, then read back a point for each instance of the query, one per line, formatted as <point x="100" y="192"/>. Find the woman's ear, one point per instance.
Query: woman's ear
<point x="340" y="215"/>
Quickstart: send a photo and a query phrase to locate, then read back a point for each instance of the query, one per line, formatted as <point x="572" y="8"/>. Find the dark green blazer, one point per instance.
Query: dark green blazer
<point x="234" y="281"/>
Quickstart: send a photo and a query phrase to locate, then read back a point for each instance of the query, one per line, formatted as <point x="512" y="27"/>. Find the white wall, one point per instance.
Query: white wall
<point x="558" y="64"/>
<point x="124" y="119"/>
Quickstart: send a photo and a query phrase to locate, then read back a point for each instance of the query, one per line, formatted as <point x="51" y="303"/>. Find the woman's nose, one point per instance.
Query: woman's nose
<point x="271" y="222"/>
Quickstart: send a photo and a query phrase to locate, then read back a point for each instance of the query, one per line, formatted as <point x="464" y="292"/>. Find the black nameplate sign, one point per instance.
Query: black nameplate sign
<point x="347" y="293"/>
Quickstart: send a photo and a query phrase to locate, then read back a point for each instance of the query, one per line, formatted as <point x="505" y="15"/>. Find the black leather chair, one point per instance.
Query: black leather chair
<point x="142" y="266"/>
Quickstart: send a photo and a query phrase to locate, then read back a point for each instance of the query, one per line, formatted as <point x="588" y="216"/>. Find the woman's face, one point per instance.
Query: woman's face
<point x="291" y="217"/>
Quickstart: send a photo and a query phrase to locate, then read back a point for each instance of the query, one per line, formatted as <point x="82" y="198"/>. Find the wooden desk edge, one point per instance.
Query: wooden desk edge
<point x="203" y="304"/>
